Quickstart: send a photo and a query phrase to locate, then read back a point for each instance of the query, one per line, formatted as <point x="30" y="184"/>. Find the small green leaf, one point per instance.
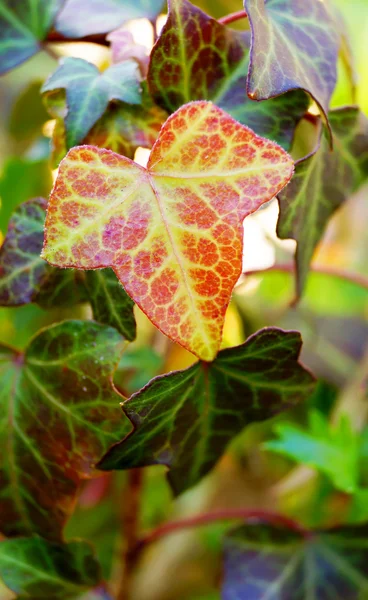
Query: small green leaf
<point x="294" y="46"/>
<point x="110" y="303"/>
<point x="274" y="563"/>
<point x="59" y="415"/>
<point x="38" y="569"/>
<point x="321" y="183"/>
<point x="212" y="65"/>
<point x="24" y="24"/>
<point x="332" y="450"/>
<point x="186" y="419"/>
<point x="24" y="276"/>
<point x="88" y="92"/>
<point x="80" y="17"/>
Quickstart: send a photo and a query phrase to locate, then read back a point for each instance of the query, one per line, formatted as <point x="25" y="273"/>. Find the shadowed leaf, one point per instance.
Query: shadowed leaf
<point x="294" y="46"/>
<point x="212" y="65"/>
<point x="24" y="24"/>
<point x="88" y="92"/>
<point x="276" y="563"/>
<point x="79" y="18"/>
<point x="186" y="419"/>
<point x="172" y="232"/>
<point x="321" y="183"/>
<point x="59" y="415"/>
<point x="35" y="568"/>
<point x="24" y="276"/>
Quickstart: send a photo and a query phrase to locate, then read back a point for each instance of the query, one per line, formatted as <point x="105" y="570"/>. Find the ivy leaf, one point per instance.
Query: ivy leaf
<point x="36" y="568"/>
<point x="185" y="419"/>
<point x="24" y="25"/>
<point x="171" y="232"/>
<point x="261" y="562"/>
<point x="311" y="198"/>
<point x="110" y="303"/>
<point x="79" y="18"/>
<point x="294" y="46"/>
<point x="88" y="92"/>
<point x="59" y="415"/>
<point x="123" y="47"/>
<point x="333" y="451"/>
<point x="212" y="65"/>
<point x="24" y="276"/>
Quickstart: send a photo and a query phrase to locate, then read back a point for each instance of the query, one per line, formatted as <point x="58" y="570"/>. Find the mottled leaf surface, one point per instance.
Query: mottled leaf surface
<point x="59" y="415"/>
<point x="110" y="303"/>
<point x="321" y="183"/>
<point x="185" y="419"/>
<point x="197" y="58"/>
<point x="294" y="46"/>
<point x="79" y="18"/>
<point x="24" y="276"/>
<point x="24" y="24"/>
<point x="88" y="92"/>
<point x="36" y="568"/>
<point x="172" y="232"/>
<point x="262" y="562"/>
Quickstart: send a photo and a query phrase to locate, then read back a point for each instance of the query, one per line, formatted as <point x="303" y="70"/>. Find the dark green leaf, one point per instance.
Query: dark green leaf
<point x="110" y="303"/>
<point x="294" y="46"/>
<point x="24" y="24"/>
<point x="212" y="65"/>
<point x="321" y="183"/>
<point x="186" y="419"/>
<point x="88" y="92"/>
<point x="36" y="568"/>
<point x="59" y="415"/>
<point x="79" y="18"/>
<point x="24" y="276"/>
<point x="279" y="564"/>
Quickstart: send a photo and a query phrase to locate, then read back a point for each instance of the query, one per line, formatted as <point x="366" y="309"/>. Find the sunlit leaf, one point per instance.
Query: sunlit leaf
<point x="212" y="65"/>
<point x="110" y="303"/>
<point x="24" y="24"/>
<point x="59" y="415"/>
<point x="186" y="419"/>
<point x="172" y="232"/>
<point x="79" y="18"/>
<point x="276" y="563"/>
<point x="294" y="46"/>
<point x="35" y="568"/>
<point x="321" y="183"/>
<point x="24" y="276"/>
<point x="88" y="92"/>
<point x="123" y="47"/>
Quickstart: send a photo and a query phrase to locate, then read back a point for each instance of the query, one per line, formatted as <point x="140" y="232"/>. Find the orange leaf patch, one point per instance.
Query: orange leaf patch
<point x="172" y="232"/>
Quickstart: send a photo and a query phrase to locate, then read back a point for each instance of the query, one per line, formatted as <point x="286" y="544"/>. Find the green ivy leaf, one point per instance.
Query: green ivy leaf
<point x="59" y="415"/>
<point x="80" y="17"/>
<point x="24" y="276"/>
<point x="276" y="563"/>
<point x="332" y="450"/>
<point x="88" y="92"/>
<point x="321" y="183"/>
<point x="186" y="419"/>
<point x="24" y="25"/>
<point x="110" y="303"/>
<point x="36" y="568"/>
<point x="211" y="65"/>
<point x="294" y="46"/>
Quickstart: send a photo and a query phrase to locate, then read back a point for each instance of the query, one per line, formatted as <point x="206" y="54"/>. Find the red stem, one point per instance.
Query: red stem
<point x="232" y="17"/>
<point x="221" y="515"/>
<point x="99" y="38"/>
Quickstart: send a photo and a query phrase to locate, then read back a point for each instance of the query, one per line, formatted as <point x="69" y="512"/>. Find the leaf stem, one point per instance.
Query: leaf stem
<point x="59" y="38"/>
<point x="232" y="17"/>
<point x="221" y="515"/>
<point x="130" y="527"/>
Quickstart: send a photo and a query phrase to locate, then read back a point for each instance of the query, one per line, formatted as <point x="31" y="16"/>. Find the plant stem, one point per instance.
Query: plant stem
<point x="59" y="38"/>
<point x="130" y="528"/>
<point x="232" y="17"/>
<point x="221" y="515"/>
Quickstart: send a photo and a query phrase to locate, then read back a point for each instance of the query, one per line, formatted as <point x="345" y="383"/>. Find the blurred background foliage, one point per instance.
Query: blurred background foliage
<point x="311" y="463"/>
